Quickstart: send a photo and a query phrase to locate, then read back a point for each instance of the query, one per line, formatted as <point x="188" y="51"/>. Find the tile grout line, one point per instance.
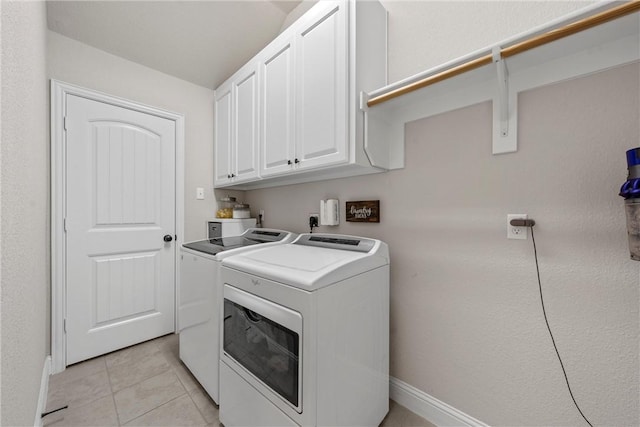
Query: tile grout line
<point x="113" y="398"/>
<point x="198" y="408"/>
<point x="173" y="368"/>
<point x="144" y="378"/>
<point x="151" y="410"/>
<point x="190" y="393"/>
<point x="74" y="407"/>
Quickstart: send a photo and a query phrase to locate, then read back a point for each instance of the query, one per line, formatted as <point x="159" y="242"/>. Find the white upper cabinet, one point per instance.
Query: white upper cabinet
<point x="321" y="73"/>
<point x="245" y="155"/>
<point x="277" y="113"/>
<point x="295" y="114"/>
<point x="306" y="68"/>
<point x="222" y="134"/>
<point x="236" y="128"/>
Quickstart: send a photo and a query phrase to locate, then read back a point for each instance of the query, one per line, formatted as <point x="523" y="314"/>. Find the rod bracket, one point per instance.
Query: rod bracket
<point x="505" y="100"/>
<point x="364" y="99"/>
<point x="503" y="91"/>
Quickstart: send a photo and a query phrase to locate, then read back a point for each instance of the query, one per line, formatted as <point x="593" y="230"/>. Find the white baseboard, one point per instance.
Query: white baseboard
<point x="428" y="407"/>
<point x="44" y="388"/>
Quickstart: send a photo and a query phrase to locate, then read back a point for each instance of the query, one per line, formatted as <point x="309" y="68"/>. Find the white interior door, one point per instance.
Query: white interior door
<point x="120" y="205"/>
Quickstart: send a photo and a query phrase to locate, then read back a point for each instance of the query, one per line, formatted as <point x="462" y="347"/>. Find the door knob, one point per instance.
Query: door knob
<point x="168" y="237"/>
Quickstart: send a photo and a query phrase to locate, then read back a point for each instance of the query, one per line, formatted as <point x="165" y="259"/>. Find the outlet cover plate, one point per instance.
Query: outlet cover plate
<point x="519" y="233"/>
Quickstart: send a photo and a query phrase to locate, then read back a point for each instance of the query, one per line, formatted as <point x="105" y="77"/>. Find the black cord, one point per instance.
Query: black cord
<point x="313" y="222"/>
<point x="535" y="254"/>
<point x="44" y="414"/>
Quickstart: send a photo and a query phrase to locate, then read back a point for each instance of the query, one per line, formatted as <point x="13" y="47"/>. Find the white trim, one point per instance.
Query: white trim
<point x="44" y="389"/>
<point x="180" y="162"/>
<point x="428" y="407"/>
<point x="59" y="92"/>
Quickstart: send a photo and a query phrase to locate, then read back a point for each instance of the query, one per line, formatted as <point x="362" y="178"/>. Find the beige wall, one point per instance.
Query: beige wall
<point x="466" y="322"/>
<point x="73" y="62"/>
<point x="425" y="34"/>
<point x="24" y="250"/>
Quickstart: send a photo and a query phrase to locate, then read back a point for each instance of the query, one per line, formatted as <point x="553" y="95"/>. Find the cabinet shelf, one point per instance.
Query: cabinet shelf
<point x="498" y="77"/>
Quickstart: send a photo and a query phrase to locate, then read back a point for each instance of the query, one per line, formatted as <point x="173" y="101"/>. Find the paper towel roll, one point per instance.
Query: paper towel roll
<point x="329" y="212"/>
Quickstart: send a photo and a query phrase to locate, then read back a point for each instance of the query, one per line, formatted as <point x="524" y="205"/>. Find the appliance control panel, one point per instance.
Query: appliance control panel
<point x="337" y="241"/>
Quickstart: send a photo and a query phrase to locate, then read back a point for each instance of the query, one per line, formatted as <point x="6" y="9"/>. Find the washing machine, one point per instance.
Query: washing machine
<point x="305" y="334"/>
<point x="199" y="307"/>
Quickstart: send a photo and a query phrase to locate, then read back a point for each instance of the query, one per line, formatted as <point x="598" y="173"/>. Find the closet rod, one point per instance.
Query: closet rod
<point x="548" y="37"/>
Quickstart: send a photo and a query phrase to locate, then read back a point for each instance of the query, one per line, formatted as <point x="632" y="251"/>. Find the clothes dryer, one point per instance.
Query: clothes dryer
<point x="306" y="334"/>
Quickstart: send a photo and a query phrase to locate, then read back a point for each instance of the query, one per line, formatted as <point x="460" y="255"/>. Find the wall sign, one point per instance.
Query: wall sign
<point x="364" y="211"/>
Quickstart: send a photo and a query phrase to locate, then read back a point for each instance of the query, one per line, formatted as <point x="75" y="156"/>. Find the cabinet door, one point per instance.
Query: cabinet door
<point x="222" y="135"/>
<point x="245" y="156"/>
<point x="277" y="122"/>
<point x="321" y="72"/>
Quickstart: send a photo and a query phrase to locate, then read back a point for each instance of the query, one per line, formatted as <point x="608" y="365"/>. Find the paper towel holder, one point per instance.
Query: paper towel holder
<point x="329" y="212"/>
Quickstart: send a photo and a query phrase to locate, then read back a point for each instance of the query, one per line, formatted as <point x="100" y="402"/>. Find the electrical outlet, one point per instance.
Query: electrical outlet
<point x="199" y="193"/>
<point x="516" y="232"/>
<point x="314" y="220"/>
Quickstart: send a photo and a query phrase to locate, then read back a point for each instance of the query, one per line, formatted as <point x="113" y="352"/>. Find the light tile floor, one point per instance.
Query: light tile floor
<point x="147" y="385"/>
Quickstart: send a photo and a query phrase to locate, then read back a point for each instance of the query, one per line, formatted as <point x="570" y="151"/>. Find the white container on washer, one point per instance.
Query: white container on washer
<point x="241" y="211"/>
<point x="226" y="227"/>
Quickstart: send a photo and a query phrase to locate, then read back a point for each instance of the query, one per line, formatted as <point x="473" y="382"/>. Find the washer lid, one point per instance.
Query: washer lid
<point x="252" y="236"/>
<point x="217" y="245"/>
<point x="309" y="266"/>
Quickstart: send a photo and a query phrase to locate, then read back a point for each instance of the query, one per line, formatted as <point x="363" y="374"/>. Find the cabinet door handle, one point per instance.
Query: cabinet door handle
<point x="288" y="162"/>
<point x="297" y="161"/>
<point x="233" y="175"/>
<point x="228" y="176"/>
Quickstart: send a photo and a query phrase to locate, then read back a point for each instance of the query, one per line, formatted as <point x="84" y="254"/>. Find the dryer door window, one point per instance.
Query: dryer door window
<point x="263" y="346"/>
